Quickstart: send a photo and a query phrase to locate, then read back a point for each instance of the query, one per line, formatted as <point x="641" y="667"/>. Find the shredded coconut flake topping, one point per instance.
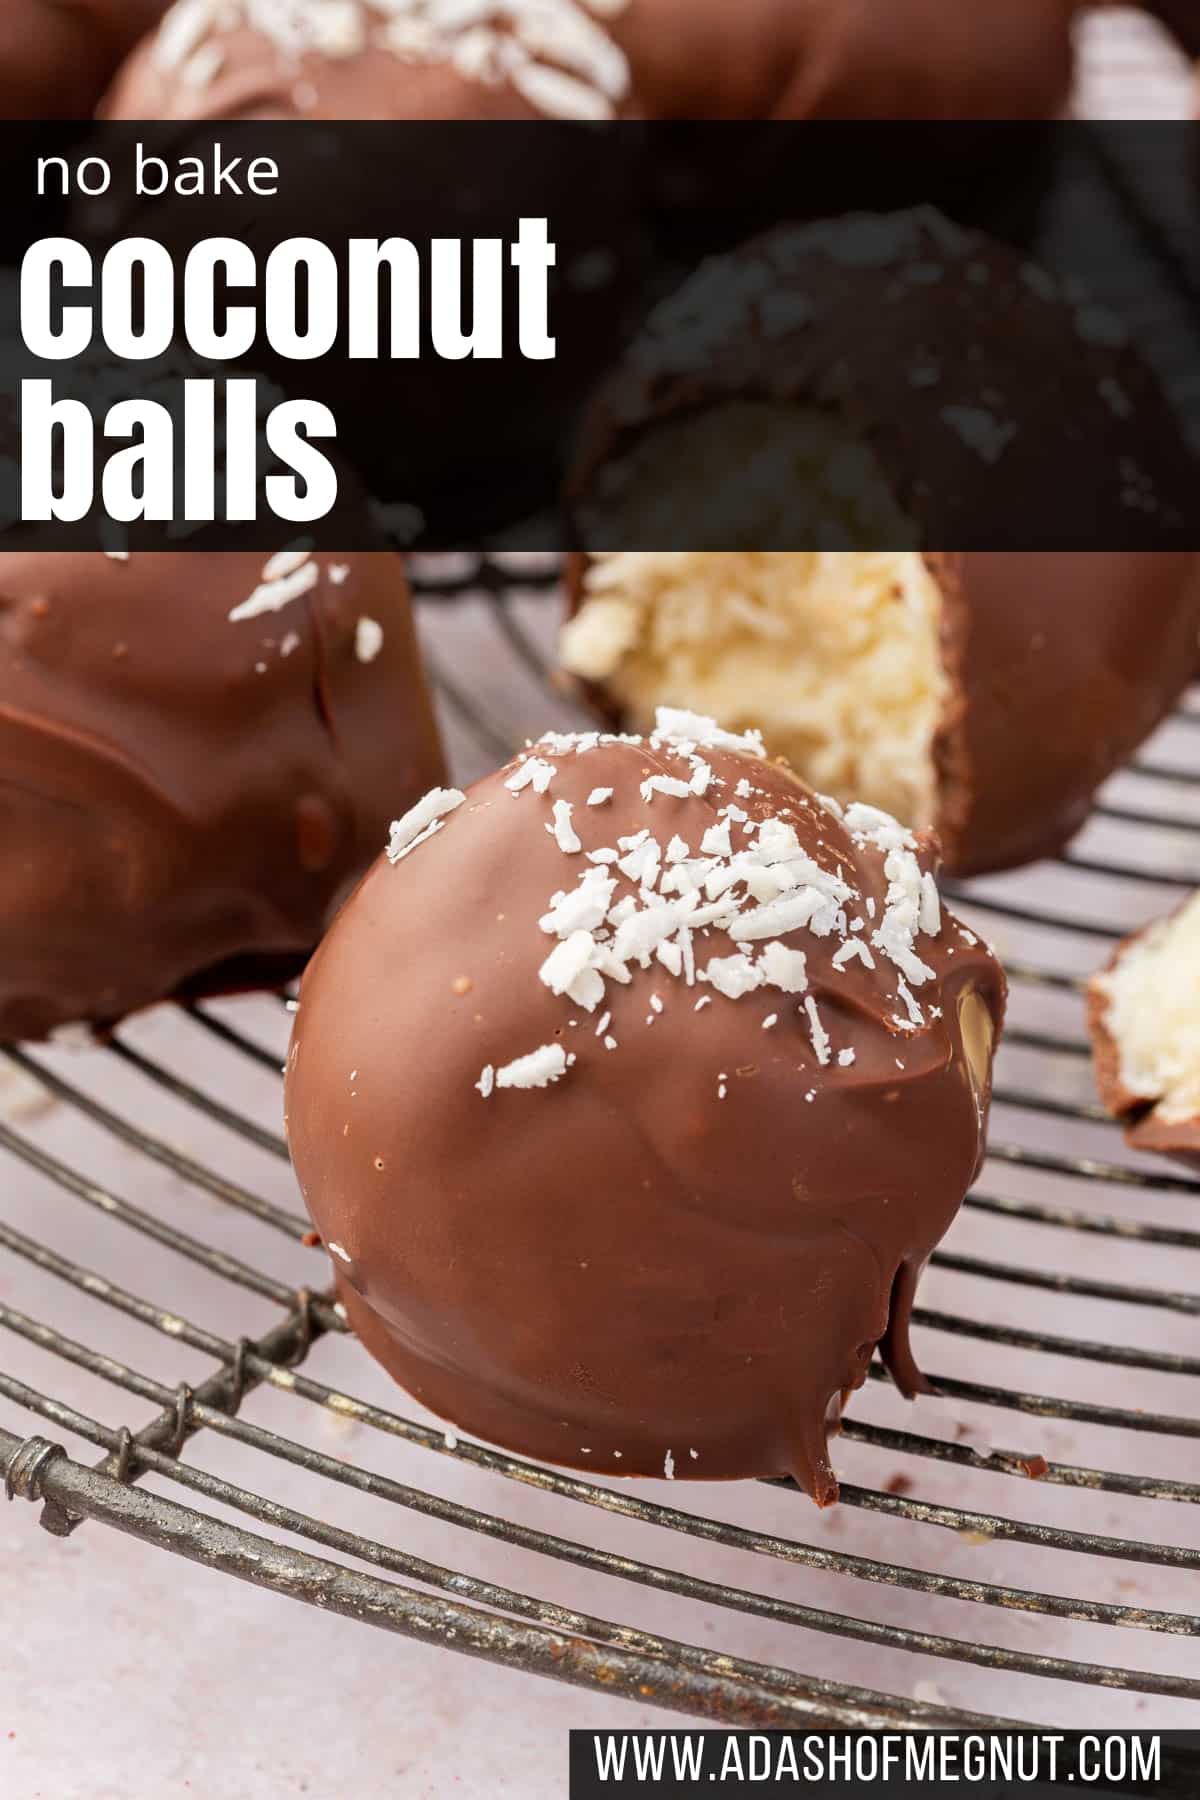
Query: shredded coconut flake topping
<point x="534" y="773"/>
<point x="286" y="577"/>
<point x="556" y="53"/>
<point x="421" y="821"/>
<point x="562" y="830"/>
<point x="368" y="640"/>
<point x="537" y="1070"/>
<point x="726" y="915"/>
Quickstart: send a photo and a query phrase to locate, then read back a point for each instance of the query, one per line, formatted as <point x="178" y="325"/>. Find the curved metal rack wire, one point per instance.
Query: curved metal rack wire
<point x="1073" y="1274"/>
<point x="1059" y="1318"/>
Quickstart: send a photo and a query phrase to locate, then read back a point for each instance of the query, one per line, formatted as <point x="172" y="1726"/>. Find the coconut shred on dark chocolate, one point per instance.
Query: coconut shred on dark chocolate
<point x="198" y="753"/>
<point x="630" y="1094"/>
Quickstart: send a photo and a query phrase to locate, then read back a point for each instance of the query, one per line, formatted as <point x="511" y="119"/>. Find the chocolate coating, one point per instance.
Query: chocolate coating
<point x="371" y="63"/>
<point x="679" y="1256"/>
<point x="958" y="364"/>
<point x="849" y="59"/>
<point x="673" y="59"/>
<point x="1060" y="661"/>
<point x="185" y="798"/>
<point x="56" y="60"/>
<point x="1060" y="664"/>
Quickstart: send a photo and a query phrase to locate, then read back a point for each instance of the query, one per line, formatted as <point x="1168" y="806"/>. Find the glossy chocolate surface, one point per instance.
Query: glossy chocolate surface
<point x="1061" y="661"/>
<point x="678" y="1256"/>
<point x="971" y="376"/>
<point x="185" y="798"/>
<point x="848" y="59"/>
<point x="56" y="60"/>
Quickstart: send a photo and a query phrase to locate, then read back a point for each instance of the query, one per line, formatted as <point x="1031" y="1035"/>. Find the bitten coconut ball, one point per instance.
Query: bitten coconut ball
<point x="872" y="387"/>
<point x="57" y="59"/>
<point x="198" y="754"/>
<point x="630" y="1094"/>
<point x="985" y="694"/>
<point x="1144" y="1015"/>
<point x="597" y="59"/>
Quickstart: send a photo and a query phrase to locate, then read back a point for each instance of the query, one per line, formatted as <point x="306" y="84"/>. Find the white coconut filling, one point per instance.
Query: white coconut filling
<point x="1153" y="997"/>
<point x="835" y="655"/>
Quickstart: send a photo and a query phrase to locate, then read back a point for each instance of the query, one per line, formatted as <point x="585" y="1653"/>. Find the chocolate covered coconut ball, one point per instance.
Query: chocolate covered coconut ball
<point x="1144" y="1015"/>
<point x="985" y="694"/>
<point x="198" y="754"/>
<point x="875" y="386"/>
<point x="875" y="381"/>
<point x="57" y="59"/>
<point x="630" y="1094"/>
<point x="597" y="59"/>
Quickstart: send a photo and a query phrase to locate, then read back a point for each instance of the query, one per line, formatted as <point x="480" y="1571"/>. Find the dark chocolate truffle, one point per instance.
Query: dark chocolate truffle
<point x="1144" y="1016"/>
<point x="595" y="59"/>
<point x="630" y="1094"/>
<point x="986" y="694"/>
<point x="198" y="756"/>
<point x="57" y="59"/>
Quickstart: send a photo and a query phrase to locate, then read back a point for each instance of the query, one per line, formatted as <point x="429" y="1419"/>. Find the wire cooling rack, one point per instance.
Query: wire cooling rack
<point x="1003" y="1553"/>
<point x="1027" y="1548"/>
